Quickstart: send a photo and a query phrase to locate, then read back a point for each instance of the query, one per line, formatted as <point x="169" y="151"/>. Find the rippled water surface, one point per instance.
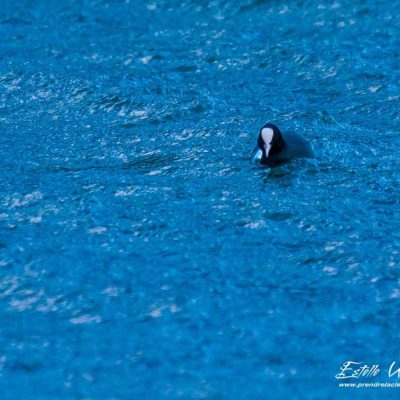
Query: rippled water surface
<point x="142" y="255"/>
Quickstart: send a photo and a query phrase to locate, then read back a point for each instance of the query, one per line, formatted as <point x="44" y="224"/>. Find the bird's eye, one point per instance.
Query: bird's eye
<point x="260" y="142"/>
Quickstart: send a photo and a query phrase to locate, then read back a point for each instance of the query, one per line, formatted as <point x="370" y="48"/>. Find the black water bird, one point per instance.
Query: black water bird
<point x="274" y="148"/>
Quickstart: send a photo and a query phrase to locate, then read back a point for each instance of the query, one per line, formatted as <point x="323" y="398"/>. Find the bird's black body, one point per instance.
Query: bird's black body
<point x="282" y="148"/>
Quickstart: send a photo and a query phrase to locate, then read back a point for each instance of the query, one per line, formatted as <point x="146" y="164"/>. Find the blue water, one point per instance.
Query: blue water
<point x="142" y="255"/>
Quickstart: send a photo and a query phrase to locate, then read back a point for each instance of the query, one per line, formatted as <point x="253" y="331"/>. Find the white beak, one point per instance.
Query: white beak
<point x="267" y="148"/>
<point x="267" y="135"/>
